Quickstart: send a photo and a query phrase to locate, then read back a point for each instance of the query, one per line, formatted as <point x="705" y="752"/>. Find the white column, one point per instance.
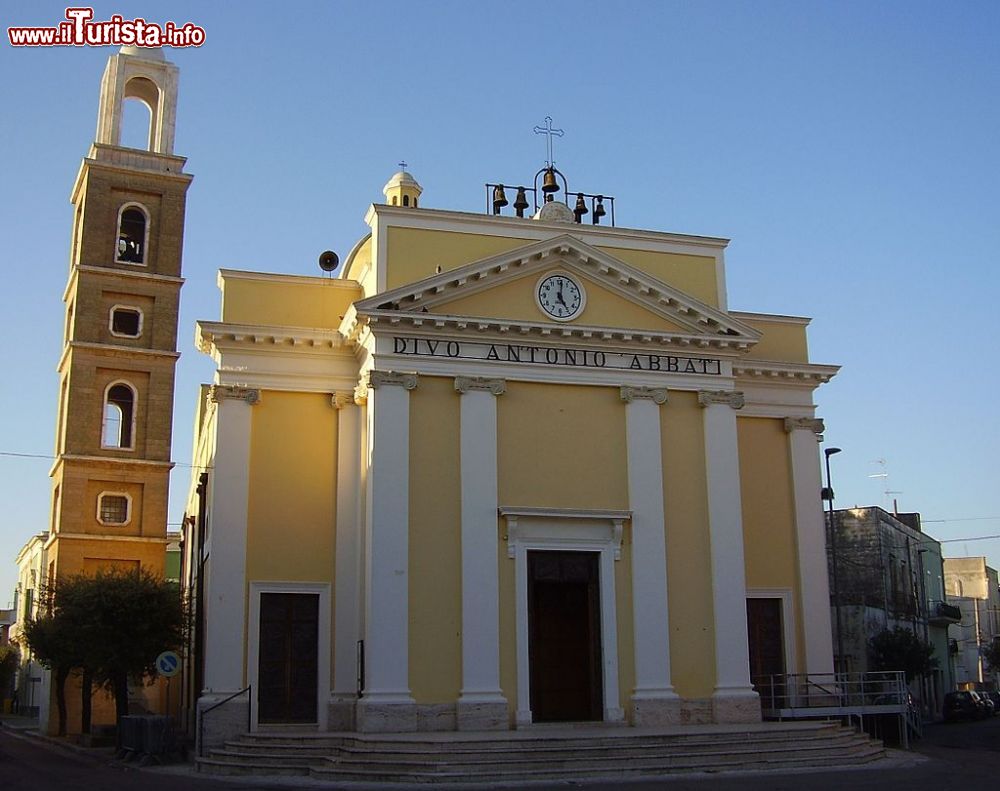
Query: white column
<point x="481" y="705"/>
<point x="386" y="704"/>
<point x="654" y="701"/>
<point x="225" y="589"/>
<point x="733" y="700"/>
<point x="810" y="531"/>
<point x="347" y="574"/>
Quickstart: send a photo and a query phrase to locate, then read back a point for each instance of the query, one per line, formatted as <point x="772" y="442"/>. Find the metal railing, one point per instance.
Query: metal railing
<point x="213" y="707"/>
<point x="840" y="695"/>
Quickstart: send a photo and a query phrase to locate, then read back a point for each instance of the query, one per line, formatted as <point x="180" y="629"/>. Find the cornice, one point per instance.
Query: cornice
<point x="777" y="318"/>
<point x="763" y="371"/>
<point x="274" y="277"/>
<point x="121" y="274"/>
<point x="53" y="537"/>
<point x="115" y="461"/>
<point x="209" y="334"/>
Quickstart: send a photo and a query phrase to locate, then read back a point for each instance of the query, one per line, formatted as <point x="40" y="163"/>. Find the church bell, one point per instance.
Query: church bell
<point x="549" y="181"/>
<point x="499" y="198"/>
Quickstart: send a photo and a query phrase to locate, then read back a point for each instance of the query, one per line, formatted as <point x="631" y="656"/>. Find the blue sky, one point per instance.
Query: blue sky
<point x="850" y="150"/>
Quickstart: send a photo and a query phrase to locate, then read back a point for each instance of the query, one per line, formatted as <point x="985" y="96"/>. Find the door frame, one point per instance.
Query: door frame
<point x="322" y="647"/>
<point x="569" y="530"/>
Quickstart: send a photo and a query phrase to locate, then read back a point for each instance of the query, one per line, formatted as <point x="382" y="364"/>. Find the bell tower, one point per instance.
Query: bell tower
<point x="116" y="371"/>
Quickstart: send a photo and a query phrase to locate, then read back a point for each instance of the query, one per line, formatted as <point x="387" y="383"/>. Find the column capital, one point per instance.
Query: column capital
<point x="658" y="395"/>
<point x="463" y="384"/>
<point x="219" y="393"/>
<point x="343" y="398"/>
<point x="732" y="398"/>
<point x="376" y="379"/>
<point x="813" y="424"/>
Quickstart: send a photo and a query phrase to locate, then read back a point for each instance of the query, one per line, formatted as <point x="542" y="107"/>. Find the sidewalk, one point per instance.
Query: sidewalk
<point x="27" y="728"/>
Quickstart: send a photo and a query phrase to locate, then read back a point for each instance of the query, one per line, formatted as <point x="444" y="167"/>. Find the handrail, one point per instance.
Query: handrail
<point x="213" y="707"/>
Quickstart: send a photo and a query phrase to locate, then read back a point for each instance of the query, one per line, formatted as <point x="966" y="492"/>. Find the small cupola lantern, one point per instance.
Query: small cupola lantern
<point x="402" y="189"/>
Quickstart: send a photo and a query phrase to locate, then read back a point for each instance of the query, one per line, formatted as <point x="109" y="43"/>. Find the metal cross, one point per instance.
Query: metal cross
<point x="550" y="132"/>
<point x="402" y="165"/>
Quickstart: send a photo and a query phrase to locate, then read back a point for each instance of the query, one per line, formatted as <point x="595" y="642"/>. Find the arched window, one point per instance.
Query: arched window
<point x="406" y="200"/>
<point x="414" y="202"/>
<point x="132" y="235"/>
<point x="119" y="416"/>
<point x="393" y="200"/>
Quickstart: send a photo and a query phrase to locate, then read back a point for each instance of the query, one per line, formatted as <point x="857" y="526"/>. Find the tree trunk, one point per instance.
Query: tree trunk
<point x="62" y="673"/>
<point x="120" y="685"/>
<point x="86" y="692"/>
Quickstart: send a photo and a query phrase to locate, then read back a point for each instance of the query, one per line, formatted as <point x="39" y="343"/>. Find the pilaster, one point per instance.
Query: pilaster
<point x="810" y="531"/>
<point x="386" y="703"/>
<point x="225" y="570"/>
<point x="733" y="699"/>
<point x="347" y="573"/>
<point x="481" y="705"/>
<point x="654" y="700"/>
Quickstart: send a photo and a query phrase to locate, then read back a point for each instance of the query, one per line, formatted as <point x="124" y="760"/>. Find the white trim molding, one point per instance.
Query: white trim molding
<point x="128" y="508"/>
<point x="567" y="530"/>
<point x="130" y="309"/>
<point x="322" y="589"/>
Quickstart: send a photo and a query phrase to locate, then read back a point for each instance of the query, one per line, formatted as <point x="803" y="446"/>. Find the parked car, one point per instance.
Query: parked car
<point x="964" y="705"/>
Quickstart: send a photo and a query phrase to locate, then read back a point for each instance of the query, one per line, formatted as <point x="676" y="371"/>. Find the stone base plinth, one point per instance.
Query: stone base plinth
<point x="655" y="711"/>
<point x="482" y="715"/>
<point x="341" y="714"/>
<point x="374" y="716"/>
<point x="742" y="705"/>
<point x="223" y="723"/>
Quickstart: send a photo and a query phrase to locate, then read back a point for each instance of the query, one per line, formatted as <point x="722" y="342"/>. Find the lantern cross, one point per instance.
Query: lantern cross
<point x="550" y="133"/>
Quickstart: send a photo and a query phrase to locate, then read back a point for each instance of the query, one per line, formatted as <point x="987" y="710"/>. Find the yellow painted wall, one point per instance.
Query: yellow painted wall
<point x="75" y="556"/>
<point x="689" y="566"/>
<point x="769" y="541"/>
<point x="313" y="302"/>
<point x="562" y="446"/>
<point x="692" y="274"/>
<point x="781" y="341"/>
<point x="292" y="502"/>
<point x="435" y="586"/>
<point x="414" y="253"/>
<point x="516" y="300"/>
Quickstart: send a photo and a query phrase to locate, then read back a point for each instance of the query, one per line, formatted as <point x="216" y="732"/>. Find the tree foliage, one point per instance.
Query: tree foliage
<point x="901" y="649"/>
<point x="112" y="624"/>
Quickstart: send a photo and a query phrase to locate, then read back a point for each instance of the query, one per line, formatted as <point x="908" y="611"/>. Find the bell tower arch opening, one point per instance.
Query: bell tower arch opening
<point x="136" y="80"/>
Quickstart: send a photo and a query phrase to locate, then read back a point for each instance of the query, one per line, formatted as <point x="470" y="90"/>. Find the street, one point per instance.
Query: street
<point x="962" y="755"/>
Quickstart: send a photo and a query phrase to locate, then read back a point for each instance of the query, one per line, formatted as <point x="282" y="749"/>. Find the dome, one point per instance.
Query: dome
<point x="401" y="179"/>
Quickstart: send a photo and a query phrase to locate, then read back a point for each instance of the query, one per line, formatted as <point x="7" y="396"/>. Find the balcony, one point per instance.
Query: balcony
<point x="940" y="613"/>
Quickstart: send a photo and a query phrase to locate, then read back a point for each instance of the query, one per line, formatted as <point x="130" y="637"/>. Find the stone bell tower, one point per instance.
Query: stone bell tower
<point x="116" y="371"/>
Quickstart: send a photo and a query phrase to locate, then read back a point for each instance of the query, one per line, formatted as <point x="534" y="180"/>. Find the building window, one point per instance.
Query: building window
<point x="406" y="200"/>
<point x="113" y="509"/>
<point x="132" y="235"/>
<point x="119" y="416"/>
<point x="126" y="322"/>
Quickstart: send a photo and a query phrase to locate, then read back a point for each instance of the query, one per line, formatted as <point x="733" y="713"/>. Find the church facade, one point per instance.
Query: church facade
<point x="502" y="471"/>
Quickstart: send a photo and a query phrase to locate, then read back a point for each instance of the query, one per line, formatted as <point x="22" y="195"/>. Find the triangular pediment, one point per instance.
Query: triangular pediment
<point x="502" y="288"/>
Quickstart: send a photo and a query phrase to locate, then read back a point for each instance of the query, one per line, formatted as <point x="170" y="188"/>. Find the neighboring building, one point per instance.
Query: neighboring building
<point x="973" y="586"/>
<point x="887" y="573"/>
<point x="116" y="371"/>
<point x="32" y="680"/>
<point x="527" y="469"/>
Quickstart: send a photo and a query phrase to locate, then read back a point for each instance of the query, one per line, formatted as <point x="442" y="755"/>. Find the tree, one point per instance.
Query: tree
<point x="901" y="649"/>
<point x="112" y="625"/>
<point x="53" y="638"/>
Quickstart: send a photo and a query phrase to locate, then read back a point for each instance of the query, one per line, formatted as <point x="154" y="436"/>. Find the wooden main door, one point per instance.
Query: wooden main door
<point x="564" y="636"/>
<point x="766" y="645"/>
<point x="289" y="652"/>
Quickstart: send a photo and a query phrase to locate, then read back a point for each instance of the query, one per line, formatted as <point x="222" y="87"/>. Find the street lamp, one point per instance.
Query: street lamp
<point x="828" y="496"/>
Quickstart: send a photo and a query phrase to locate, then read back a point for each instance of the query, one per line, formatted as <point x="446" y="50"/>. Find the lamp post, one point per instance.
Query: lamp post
<point x="828" y="452"/>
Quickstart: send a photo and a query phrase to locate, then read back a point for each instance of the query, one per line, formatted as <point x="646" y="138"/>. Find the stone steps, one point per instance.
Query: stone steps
<point x="527" y="755"/>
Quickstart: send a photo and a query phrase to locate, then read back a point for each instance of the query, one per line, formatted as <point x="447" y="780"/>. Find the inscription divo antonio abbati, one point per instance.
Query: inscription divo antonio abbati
<point x="553" y="355"/>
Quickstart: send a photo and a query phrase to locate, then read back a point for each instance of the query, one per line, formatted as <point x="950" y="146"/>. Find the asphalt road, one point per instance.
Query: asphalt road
<point x="962" y="756"/>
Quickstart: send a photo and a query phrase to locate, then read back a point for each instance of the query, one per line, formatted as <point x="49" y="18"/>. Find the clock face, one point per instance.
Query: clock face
<point x="560" y="296"/>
